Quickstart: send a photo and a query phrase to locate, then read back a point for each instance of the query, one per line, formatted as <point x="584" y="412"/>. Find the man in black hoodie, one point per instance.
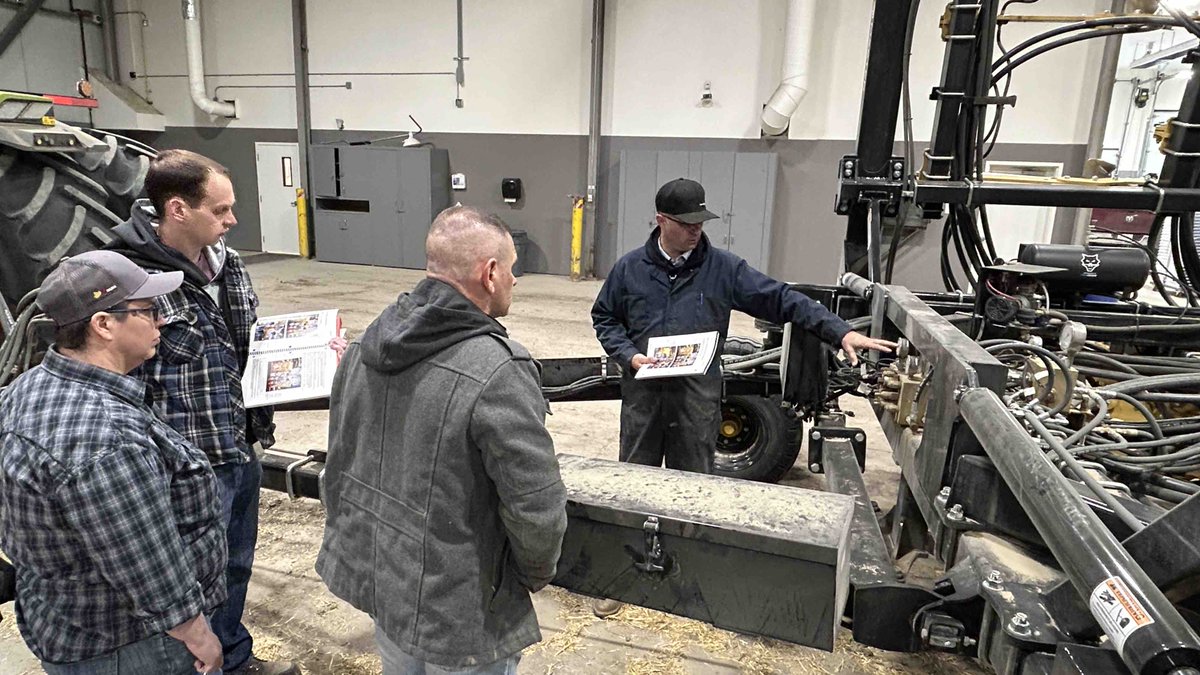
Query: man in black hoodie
<point x="195" y="378"/>
<point x="443" y="501"/>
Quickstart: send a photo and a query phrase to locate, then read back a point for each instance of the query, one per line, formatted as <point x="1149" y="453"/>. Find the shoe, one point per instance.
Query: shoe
<point x="604" y="608"/>
<point x="256" y="666"/>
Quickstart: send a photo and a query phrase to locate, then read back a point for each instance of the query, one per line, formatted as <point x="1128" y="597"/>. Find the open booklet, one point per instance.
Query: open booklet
<point x="678" y="355"/>
<point x="290" y="358"/>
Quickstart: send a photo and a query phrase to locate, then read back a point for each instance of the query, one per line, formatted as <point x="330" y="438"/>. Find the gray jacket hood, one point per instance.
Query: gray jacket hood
<point x="422" y="323"/>
<point x="137" y="239"/>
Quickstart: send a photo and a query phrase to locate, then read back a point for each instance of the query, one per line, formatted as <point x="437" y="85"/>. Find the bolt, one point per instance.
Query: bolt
<point x="955" y="513"/>
<point x="814" y="467"/>
<point x="1020" y="620"/>
<point x="849" y="164"/>
<point x="968" y="641"/>
<point x="859" y="437"/>
<point x="816" y="436"/>
<point x="994" y="580"/>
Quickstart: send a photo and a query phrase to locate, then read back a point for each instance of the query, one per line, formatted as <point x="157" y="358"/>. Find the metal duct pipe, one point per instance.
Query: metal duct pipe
<point x="1148" y="632"/>
<point x="797" y="54"/>
<point x="195" y="58"/>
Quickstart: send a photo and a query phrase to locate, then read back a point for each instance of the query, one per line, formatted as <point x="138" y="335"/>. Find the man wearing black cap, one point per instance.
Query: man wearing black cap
<point x="109" y="516"/>
<point x="678" y="284"/>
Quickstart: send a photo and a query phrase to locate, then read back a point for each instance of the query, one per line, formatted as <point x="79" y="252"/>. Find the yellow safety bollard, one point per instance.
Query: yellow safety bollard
<point x="577" y="238"/>
<point x="302" y="222"/>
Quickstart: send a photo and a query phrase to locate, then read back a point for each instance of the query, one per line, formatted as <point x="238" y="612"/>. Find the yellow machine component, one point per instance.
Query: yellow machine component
<point x="898" y="395"/>
<point x="1040" y="376"/>
<point x="577" y="238"/>
<point x="302" y="223"/>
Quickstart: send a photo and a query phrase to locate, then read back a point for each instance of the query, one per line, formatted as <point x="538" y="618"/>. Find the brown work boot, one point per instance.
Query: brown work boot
<point x="604" y="608"/>
<point x="256" y="666"/>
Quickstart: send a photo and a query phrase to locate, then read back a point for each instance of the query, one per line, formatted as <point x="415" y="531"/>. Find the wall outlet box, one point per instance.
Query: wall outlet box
<point x="458" y="181"/>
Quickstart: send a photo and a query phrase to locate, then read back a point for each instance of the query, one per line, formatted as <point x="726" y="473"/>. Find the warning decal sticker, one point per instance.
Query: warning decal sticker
<point x="1118" y="611"/>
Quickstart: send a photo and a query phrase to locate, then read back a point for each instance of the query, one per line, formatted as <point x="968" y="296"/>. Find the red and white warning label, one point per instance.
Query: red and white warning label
<point x="1118" y="611"/>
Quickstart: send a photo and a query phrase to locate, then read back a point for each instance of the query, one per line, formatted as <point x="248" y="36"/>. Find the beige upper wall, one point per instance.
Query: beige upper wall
<point x="529" y="66"/>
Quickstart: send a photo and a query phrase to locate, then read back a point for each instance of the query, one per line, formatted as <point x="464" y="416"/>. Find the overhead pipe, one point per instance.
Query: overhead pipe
<point x="195" y="58"/>
<point x="797" y="55"/>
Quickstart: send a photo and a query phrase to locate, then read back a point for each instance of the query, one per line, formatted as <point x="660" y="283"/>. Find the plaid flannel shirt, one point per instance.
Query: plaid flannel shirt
<point x="196" y="376"/>
<point x="110" y="517"/>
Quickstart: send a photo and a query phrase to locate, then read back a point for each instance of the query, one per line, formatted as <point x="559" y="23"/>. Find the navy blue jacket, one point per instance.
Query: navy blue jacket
<point x="643" y="297"/>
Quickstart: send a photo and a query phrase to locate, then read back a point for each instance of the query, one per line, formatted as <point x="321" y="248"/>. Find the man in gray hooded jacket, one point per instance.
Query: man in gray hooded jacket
<point x="444" y="505"/>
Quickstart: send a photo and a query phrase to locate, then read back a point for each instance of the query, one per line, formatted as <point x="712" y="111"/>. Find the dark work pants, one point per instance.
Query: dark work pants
<point x="675" y="419"/>
<point x="237" y="488"/>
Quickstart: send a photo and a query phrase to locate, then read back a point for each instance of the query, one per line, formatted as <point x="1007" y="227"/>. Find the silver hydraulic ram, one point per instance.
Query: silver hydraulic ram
<point x="1145" y="628"/>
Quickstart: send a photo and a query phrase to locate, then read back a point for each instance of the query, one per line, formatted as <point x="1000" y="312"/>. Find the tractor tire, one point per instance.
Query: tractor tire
<point x="121" y="170"/>
<point x="50" y="207"/>
<point x="758" y="439"/>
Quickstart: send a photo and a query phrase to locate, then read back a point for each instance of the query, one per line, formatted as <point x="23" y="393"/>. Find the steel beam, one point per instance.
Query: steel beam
<point x="1091" y="557"/>
<point x="881" y="607"/>
<point x="877" y="120"/>
<point x="1172" y="200"/>
<point x="17" y="23"/>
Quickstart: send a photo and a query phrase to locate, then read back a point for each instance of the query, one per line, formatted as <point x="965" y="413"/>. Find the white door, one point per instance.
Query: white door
<point x="278" y="177"/>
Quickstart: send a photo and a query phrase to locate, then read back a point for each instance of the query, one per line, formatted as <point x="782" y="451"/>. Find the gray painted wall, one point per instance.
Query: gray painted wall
<point x="235" y="149"/>
<point x="806" y="234"/>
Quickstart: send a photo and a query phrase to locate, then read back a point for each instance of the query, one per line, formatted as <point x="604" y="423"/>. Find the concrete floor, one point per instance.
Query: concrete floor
<point x="293" y="616"/>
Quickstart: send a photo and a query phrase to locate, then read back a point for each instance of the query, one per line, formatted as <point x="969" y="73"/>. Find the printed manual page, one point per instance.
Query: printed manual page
<point x="678" y="355"/>
<point x="290" y="358"/>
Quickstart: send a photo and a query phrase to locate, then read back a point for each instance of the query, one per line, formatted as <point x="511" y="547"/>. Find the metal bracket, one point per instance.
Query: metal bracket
<point x="289" y="483"/>
<point x="816" y="445"/>
<point x="883" y="184"/>
<point x="652" y="561"/>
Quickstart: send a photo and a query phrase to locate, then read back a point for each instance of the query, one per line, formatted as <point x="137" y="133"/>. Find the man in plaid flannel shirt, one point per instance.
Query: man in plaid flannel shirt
<point x="109" y="515"/>
<point x="196" y="377"/>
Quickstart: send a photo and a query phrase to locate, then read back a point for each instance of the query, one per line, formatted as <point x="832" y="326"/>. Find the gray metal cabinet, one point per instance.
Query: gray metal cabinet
<point x="324" y="171"/>
<point x="739" y="187"/>
<point x="373" y="205"/>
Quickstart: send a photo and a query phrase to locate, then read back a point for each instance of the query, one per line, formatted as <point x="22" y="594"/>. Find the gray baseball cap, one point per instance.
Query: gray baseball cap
<point x="98" y="280"/>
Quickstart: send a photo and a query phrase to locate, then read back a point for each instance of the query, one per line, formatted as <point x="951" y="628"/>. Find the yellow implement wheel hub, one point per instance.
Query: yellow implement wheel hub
<point x="730" y="428"/>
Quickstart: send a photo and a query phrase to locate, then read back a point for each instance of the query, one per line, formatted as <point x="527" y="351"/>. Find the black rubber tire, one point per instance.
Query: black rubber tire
<point x="52" y="205"/>
<point x="759" y="439"/>
<point x="121" y="170"/>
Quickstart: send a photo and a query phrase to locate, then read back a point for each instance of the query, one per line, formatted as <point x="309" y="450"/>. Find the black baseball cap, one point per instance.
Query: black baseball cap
<point x="96" y="281"/>
<point x="683" y="200"/>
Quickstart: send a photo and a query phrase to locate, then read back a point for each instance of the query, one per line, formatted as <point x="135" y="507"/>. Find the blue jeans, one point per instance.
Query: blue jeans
<point x="156" y="655"/>
<point x="237" y="488"/>
<point x="396" y="662"/>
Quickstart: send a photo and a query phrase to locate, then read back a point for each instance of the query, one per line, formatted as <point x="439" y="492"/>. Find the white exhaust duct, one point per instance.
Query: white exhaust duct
<point x="797" y="54"/>
<point x="195" y="62"/>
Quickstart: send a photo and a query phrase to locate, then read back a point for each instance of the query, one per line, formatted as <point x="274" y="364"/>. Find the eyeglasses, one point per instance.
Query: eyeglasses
<point x="152" y="312"/>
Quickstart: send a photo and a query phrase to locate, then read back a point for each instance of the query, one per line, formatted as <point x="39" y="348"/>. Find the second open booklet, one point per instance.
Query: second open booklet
<point x="679" y="355"/>
<point x="290" y="358"/>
